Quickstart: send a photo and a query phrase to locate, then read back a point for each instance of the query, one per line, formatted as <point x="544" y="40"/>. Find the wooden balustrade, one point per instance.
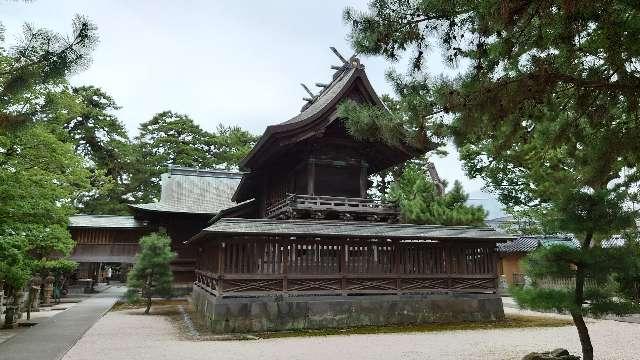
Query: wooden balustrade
<point x="263" y="265"/>
<point x="295" y="202"/>
<point x="233" y="285"/>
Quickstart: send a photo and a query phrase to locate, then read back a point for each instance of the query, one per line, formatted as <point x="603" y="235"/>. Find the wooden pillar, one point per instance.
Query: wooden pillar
<point x="363" y="179"/>
<point x="343" y="266"/>
<point x="496" y="266"/>
<point x="262" y="197"/>
<point x="220" y="269"/>
<point x="285" y="264"/>
<point x="450" y="268"/>
<point x="311" y="178"/>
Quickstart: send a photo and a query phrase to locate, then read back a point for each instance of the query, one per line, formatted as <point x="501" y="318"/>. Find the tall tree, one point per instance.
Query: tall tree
<point x="169" y="139"/>
<point x="545" y="112"/>
<point x="84" y="116"/>
<point x="174" y="139"/>
<point x="151" y="273"/>
<point x="420" y="202"/>
<point x="40" y="176"/>
<point x="231" y="144"/>
<point x="40" y="59"/>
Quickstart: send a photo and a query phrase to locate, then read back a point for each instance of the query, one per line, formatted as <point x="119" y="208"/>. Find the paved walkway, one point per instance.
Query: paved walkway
<point x="52" y="338"/>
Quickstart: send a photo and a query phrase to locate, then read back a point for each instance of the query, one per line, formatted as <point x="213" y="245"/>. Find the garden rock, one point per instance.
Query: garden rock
<point x="557" y="354"/>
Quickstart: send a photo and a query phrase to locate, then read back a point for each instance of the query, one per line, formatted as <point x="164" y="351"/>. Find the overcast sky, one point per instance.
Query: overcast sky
<point x="230" y="62"/>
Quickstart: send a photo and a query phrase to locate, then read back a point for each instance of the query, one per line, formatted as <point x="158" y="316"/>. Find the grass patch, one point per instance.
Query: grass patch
<point x="511" y="321"/>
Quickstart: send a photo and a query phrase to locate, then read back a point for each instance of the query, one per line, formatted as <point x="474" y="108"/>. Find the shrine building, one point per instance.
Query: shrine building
<point x="293" y="241"/>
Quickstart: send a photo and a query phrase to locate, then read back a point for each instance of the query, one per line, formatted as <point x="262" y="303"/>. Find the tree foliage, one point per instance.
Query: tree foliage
<point x="40" y="176"/>
<point x="84" y="116"/>
<point x="546" y="110"/>
<point x="39" y="59"/>
<point x="604" y="268"/>
<point x="39" y="179"/>
<point x="170" y="138"/>
<point x="151" y="273"/>
<point x="407" y="119"/>
<point x="420" y="202"/>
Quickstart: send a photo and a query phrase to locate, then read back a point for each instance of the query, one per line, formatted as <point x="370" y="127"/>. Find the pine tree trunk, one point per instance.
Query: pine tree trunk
<point x="583" y="333"/>
<point x="146" y="311"/>
<point x="578" y="319"/>
<point x="148" y="293"/>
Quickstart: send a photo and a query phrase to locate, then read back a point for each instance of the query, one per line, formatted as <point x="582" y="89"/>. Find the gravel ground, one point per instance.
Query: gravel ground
<point x="129" y="335"/>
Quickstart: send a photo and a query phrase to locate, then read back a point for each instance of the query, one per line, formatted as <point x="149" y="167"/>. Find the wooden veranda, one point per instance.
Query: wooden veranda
<point x="294" y="264"/>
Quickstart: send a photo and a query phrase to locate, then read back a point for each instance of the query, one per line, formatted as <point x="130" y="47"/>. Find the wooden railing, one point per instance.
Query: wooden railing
<point x="564" y="283"/>
<point x="235" y="285"/>
<point x="330" y="203"/>
<point x="553" y="283"/>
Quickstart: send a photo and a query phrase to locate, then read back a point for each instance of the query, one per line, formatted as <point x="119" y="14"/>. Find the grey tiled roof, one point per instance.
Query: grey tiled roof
<point x="350" y="229"/>
<point x="105" y="221"/>
<point x="194" y="191"/>
<point x="525" y="244"/>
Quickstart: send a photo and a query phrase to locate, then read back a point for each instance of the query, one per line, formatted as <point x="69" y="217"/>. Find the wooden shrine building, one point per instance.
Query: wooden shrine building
<point x="305" y="247"/>
<point x="105" y="240"/>
<point x="189" y="199"/>
<point x="294" y="241"/>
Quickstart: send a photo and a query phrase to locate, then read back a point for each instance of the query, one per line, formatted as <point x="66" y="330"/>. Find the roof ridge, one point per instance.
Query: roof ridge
<point x="363" y="223"/>
<point x="190" y="171"/>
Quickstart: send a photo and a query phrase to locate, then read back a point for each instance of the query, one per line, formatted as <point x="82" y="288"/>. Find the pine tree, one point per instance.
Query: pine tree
<point x="420" y="202"/>
<point x="40" y="176"/>
<point x="545" y="112"/>
<point x="85" y="117"/>
<point x="151" y="273"/>
<point x="170" y="138"/>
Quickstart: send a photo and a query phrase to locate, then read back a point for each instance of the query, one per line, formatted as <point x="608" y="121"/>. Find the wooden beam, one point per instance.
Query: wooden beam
<point x="307" y="90"/>
<point x="333" y="49"/>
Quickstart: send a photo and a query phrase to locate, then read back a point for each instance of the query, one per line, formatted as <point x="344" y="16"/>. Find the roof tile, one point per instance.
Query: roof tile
<point x="105" y="221"/>
<point x="186" y="190"/>
<point x="350" y="229"/>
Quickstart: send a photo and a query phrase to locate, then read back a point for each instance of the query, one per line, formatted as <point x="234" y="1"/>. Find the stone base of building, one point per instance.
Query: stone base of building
<point x="232" y="315"/>
<point x="182" y="289"/>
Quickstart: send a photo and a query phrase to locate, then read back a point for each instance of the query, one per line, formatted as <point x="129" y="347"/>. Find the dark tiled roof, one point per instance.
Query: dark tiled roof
<point x="322" y="103"/>
<point x="186" y="190"/>
<point x="349" y="229"/>
<point x="525" y="244"/>
<point x="104" y="221"/>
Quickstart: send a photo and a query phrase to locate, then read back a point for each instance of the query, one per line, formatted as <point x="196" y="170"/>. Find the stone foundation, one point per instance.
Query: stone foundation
<point x="229" y="315"/>
<point x="182" y="289"/>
